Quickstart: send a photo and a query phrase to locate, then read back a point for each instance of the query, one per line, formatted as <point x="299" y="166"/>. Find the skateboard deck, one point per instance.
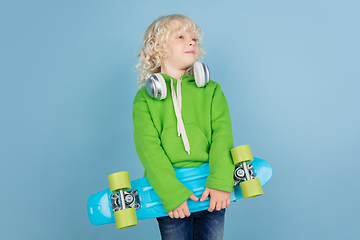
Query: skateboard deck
<point x="143" y="198"/>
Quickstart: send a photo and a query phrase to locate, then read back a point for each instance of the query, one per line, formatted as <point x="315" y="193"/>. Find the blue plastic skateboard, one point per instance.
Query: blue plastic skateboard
<point x="105" y="206"/>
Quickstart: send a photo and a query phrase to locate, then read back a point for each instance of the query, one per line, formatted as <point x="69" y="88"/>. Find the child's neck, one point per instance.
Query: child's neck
<point x="175" y="73"/>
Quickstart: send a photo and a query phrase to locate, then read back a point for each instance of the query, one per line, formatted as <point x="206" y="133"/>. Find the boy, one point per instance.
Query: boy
<point x="200" y="115"/>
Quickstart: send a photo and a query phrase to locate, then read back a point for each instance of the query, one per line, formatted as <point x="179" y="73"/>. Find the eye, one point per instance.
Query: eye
<point x="181" y="37"/>
<point x="195" y="40"/>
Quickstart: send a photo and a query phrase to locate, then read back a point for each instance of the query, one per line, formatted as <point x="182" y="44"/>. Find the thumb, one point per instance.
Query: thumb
<point x="193" y="197"/>
<point x="205" y="195"/>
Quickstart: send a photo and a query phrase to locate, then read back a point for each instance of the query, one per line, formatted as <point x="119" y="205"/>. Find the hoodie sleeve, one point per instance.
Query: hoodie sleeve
<point x="220" y="161"/>
<point x="158" y="167"/>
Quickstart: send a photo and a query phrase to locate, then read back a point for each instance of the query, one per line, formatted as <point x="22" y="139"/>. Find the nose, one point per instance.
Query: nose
<point x="192" y="42"/>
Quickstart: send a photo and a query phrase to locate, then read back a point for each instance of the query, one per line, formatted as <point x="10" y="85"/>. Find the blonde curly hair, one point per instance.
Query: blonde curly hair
<point x="155" y="43"/>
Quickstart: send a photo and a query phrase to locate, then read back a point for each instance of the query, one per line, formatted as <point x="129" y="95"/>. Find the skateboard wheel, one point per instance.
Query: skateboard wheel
<point x="251" y="188"/>
<point x="241" y="154"/>
<point x="118" y="181"/>
<point x="125" y="218"/>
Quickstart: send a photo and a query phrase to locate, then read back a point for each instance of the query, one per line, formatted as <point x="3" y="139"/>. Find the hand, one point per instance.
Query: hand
<point x="218" y="199"/>
<point x="182" y="211"/>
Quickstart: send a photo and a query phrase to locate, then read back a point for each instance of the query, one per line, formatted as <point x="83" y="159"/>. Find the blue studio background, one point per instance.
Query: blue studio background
<point x="289" y="70"/>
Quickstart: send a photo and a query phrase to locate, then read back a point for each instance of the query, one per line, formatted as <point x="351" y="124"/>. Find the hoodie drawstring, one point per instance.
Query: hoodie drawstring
<point x="177" y="107"/>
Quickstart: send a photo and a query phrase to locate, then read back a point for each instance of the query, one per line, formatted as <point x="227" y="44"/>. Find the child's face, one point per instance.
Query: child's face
<point x="183" y="50"/>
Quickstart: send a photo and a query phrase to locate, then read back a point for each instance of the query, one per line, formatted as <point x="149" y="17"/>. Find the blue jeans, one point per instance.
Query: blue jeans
<point x="202" y="225"/>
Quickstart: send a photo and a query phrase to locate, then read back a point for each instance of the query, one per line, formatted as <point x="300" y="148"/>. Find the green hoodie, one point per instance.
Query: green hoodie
<point x="206" y="118"/>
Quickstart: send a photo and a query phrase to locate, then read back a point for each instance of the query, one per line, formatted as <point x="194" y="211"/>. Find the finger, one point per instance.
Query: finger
<point x="181" y="214"/>
<point x="176" y="214"/>
<point x="224" y="205"/>
<point x="228" y="203"/>
<point x="171" y="214"/>
<point x="187" y="212"/>
<point x="204" y="195"/>
<point x="218" y="206"/>
<point x="212" y="206"/>
<point x="194" y="198"/>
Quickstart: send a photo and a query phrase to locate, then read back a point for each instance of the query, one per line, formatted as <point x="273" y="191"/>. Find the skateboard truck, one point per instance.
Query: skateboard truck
<point x="129" y="199"/>
<point x="250" y="186"/>
<point x="240" y="173"/>
<point x="125" y="216"/>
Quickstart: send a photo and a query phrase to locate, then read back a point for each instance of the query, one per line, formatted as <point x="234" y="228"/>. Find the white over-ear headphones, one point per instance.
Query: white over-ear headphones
<point x="156" y="86"/>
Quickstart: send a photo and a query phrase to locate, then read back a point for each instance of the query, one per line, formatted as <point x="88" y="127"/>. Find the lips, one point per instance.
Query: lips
<point x="191" y="51"/>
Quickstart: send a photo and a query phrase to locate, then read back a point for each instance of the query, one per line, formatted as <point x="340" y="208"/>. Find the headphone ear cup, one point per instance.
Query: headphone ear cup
<point x="201" y="74"/>
<point x="156" y="86"/>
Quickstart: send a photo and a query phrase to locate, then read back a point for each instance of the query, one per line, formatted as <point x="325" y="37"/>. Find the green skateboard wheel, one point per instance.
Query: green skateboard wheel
<point x="251" y="188"/>
<point x="241" y="154"/>
<point x="119" y="180"/>
<point x="125" y="218"/>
